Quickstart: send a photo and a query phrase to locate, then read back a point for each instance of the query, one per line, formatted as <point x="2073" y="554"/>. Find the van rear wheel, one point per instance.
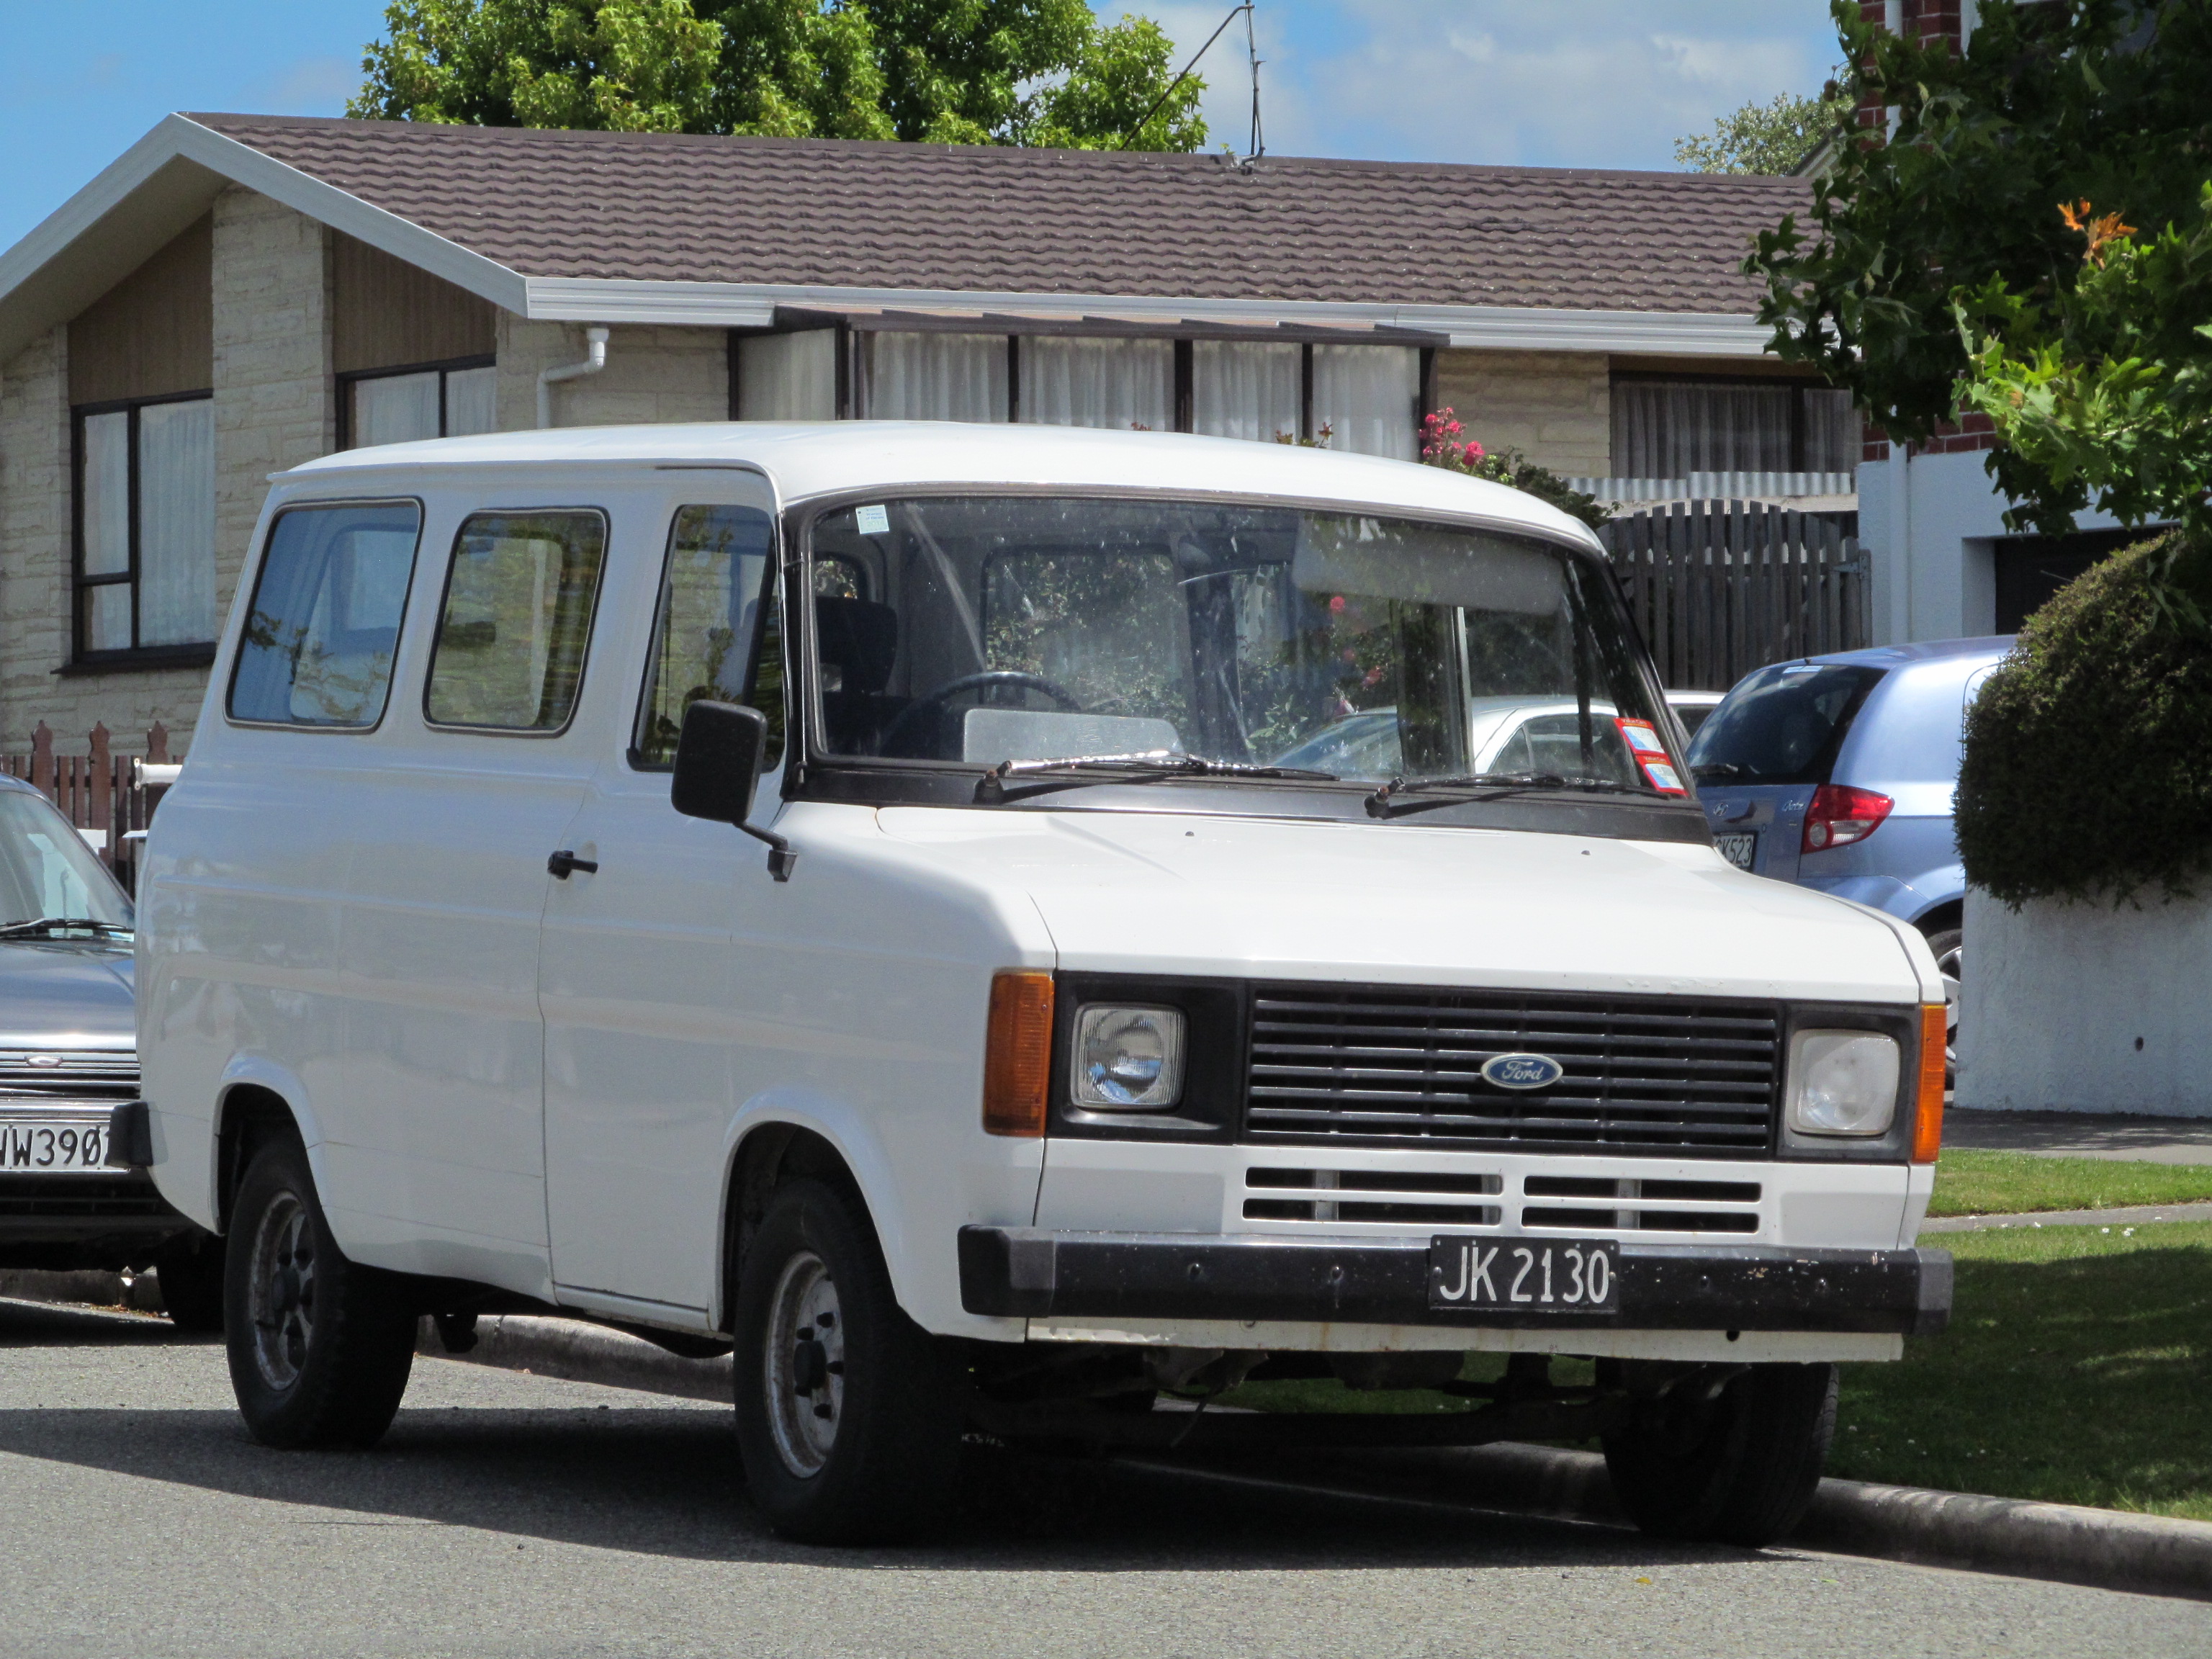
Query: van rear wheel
<point x="1738" y="1467"/>
<point x="319" y="1346"/>
<point x="849" y="1413"/>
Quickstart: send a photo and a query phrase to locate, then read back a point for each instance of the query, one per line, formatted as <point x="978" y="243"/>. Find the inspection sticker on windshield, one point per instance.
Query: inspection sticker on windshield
<point x="1533" y="1275"/>
<point x="1643" y="737"/>
<point x="873" y="520"/>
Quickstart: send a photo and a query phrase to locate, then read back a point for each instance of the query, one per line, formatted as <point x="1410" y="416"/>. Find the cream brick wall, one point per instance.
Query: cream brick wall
<point x="652" y="374"/>
<point x="1556" y="407"/>
<point x="34" y="545"/>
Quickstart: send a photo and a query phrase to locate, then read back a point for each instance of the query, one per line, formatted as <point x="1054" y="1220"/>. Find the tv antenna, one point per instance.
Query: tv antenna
<point x="1251" y="50"/>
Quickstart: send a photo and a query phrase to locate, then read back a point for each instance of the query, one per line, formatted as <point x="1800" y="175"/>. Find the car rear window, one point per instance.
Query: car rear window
<point x="1782" y="725"/>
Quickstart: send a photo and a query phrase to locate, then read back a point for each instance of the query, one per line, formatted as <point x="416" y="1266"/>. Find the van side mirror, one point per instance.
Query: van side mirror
<point x="718" y="758"/>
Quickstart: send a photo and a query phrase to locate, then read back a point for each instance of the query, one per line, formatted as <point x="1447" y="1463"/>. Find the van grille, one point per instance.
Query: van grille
<point x="80" y="1198"/>
<point x="1659" y="1077"/>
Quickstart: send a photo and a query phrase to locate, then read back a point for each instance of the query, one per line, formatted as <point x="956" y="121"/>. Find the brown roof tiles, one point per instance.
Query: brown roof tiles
<point x="647" y="207"/>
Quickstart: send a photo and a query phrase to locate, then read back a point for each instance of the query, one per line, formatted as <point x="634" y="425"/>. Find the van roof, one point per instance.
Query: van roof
<point x="813" y="459"/>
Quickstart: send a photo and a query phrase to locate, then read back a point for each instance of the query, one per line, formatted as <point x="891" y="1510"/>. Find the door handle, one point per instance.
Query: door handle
<point x="559" y="865"/>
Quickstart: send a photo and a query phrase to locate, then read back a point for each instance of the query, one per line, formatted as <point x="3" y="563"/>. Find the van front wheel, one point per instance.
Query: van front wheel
<point x="849" y="1413"/>
<point x="319" y="1346"/>
<point x="1738" y="1467"/>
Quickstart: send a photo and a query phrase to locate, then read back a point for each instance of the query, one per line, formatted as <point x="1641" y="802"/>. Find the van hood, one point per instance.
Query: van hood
<point x="64" y="995"/>
<point x="1399" y="904"/>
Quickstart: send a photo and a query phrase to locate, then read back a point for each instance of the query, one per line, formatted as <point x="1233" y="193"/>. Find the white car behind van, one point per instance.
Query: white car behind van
<point x="866" y="895"/>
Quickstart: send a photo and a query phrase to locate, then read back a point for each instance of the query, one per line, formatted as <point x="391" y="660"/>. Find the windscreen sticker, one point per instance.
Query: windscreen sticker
<point x="873" y="520"/>
<point x="1643" y="737"/>
<point x="1664" y="778"/>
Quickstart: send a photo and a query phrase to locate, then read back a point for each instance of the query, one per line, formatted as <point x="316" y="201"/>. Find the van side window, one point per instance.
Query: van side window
<point x="325" y="621"/>
<point x="719" y="630"/>
<point x="517" y="617"/>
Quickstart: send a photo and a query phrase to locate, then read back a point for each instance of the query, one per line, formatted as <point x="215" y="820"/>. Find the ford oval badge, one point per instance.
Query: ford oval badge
<point x="1522" y="1071"/>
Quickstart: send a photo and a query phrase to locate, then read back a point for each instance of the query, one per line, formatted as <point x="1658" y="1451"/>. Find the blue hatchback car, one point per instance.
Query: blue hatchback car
<point x="1836" y="772"/>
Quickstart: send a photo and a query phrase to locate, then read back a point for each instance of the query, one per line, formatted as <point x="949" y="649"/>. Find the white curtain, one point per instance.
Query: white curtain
<point x="1833" y="436"/>
<point x="933" y="377"/>
<point x="1365" y="395"/>
<point x="789" y="377"/>
<point x="471" y="402"/>
<point x="107" y="530"/>
<point x="395" y="409"/>
<point x="1669" y="430"/>
<point x="176" y="523"/>
<point x="1119" y="384"/>
<point x="1242" y="389"/>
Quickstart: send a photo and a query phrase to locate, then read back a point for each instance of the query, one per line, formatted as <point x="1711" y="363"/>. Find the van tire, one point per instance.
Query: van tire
<point x="191" y="1270"/>
<point x="327" y="1362"/>
<point x="1738" y="1469"/>
<point x="868" y="1449"/>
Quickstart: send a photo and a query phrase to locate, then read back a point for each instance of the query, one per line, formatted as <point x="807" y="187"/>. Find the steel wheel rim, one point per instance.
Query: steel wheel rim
<point x="804" y="1374"/>
<point x="281" y="1292"/>
<point x="1951" y="965"/>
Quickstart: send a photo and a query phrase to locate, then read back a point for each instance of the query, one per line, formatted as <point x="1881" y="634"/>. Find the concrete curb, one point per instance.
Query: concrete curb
<point x="2107" y="1549"/>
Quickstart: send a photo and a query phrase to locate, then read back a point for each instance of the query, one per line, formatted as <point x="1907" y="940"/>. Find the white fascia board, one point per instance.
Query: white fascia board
<point x="1526" y="328"/>
<point x="161" y="185"/>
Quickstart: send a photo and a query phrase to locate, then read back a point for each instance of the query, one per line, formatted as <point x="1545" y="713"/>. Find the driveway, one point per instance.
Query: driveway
<point x="508" y="1514"/>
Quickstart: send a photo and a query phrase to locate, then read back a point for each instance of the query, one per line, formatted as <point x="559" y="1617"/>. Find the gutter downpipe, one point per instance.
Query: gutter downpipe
<point x="596" y="342"/>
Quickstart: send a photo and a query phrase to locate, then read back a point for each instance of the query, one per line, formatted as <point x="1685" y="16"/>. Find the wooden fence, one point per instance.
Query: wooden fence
<point x="99" y="791"/>
<point x="1720" y="588"/>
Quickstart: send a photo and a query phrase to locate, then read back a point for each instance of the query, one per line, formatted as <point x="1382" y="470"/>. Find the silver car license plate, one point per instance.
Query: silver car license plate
<point x="1523" y="1275"/>
<point x="1738" y="850"/>
<point x="35" y="1145"/>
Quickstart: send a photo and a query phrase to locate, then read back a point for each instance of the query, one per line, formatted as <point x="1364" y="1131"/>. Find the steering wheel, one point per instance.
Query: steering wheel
<point x="934" y="700"/>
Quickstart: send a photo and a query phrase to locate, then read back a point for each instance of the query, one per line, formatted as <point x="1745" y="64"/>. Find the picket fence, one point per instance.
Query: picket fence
<point x="1719" y="588"/>
<point x="107" y="794"/>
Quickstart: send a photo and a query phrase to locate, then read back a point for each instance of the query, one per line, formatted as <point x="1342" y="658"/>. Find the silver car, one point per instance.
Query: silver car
<point x="1836" y="772"/>
<point x="68" y="1056"/>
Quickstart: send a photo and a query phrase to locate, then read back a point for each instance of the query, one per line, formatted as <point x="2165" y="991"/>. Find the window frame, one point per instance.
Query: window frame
<point x="192" y="654"/>
<point x="771" y="597"/>
<point x="444" y="369"/>
<point x="399" y="635"/>
<point x="591" y="621"/>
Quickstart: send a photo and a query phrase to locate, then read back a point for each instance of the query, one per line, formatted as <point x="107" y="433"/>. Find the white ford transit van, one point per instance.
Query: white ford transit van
<point x="1001" y="925"/>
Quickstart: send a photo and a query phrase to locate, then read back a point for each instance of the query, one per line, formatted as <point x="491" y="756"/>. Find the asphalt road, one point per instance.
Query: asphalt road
<point x="507" y="1514"/>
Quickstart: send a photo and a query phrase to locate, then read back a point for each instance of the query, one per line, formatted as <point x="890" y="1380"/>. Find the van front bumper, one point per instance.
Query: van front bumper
<point x="1035" y="1273"/>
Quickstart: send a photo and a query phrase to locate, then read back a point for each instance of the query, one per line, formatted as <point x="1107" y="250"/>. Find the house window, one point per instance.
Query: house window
<point x="438" y="400"/>
<point x="932" y="377"/>
<point x="789" y="377"/>
<point x="1119" y="384"/>
<point x="145" y="526"/>
<point x="1245" y="389"/>
<point x="1672" y="428"/>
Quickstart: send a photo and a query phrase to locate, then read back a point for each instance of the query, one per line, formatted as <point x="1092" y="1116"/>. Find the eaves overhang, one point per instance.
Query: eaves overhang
<point x="168" y="179"/>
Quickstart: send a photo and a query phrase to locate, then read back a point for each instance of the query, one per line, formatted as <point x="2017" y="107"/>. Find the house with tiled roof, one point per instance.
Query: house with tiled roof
<point x="237" y="295"/>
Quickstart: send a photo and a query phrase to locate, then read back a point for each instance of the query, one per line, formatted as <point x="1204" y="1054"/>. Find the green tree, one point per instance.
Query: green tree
<point x="2054" y="102"/>
<point x="958" y="71"/>
<point x="1768" y="138"/>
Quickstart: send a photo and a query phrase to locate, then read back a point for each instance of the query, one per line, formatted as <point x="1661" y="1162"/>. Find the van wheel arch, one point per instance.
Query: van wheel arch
<point x="247" y="1117"/>
<point x="767" y="1159"/>
<point x="1942" y="917"/>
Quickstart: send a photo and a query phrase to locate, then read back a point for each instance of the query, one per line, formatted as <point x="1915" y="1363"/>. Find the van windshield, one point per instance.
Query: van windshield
<point x="1781" y="725"/>
<point x="985" y="630"/>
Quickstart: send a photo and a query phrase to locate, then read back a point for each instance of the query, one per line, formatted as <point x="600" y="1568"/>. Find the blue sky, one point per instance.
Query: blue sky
<point x="1556" y="82"/>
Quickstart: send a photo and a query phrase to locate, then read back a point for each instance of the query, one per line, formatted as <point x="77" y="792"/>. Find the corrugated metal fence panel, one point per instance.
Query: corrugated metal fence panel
<point x="1719" y="588"/>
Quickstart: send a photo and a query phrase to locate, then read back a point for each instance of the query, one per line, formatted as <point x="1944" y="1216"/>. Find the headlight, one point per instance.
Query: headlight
<point x="1842" y="1083"/>
<point x="1128" y="1060"/>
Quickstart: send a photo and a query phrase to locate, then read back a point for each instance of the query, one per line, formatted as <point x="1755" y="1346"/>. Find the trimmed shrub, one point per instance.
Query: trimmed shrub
<point x="2087" y="770"/>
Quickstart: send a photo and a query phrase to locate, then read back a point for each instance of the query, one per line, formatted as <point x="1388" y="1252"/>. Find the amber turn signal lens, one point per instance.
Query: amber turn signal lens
<point x="1018" y="1055"/>
<point x="1927" y="1121"/>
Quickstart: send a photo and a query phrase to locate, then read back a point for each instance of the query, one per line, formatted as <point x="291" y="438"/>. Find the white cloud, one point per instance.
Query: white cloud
<point x="1608" y="83"/>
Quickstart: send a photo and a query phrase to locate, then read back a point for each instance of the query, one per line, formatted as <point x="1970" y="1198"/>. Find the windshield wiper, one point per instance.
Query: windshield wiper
<point x="1385" y="803"/>
<point x="1155" y="763"/>
<point x="45" y="926"/>
<point x="1717" y="769"/>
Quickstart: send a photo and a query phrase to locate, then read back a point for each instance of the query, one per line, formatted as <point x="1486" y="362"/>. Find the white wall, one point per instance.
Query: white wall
<point x="1931" y="525"/>
<point x="2086" y="1008"/>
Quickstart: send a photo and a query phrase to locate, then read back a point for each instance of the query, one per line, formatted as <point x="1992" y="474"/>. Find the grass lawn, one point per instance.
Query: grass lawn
<point x="2078" y="1370"/>
<point x="1971" y="1182"/>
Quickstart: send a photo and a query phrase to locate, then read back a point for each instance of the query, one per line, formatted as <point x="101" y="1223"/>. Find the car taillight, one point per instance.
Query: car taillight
<point x="1840" y="815"/>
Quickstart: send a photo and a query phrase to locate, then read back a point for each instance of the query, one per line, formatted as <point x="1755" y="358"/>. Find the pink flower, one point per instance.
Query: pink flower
<point x="1336" y="605"/>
